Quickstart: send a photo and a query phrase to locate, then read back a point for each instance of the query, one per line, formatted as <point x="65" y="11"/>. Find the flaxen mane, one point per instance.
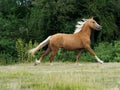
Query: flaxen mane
<point x="79" y="25"/>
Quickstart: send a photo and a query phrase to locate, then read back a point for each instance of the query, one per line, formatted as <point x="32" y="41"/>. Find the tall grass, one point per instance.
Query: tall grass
<point x="22" y="51"/>
<point x="60" y="76"/>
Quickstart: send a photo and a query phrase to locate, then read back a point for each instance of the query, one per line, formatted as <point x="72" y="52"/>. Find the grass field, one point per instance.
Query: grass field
<point x="60" y="76"/>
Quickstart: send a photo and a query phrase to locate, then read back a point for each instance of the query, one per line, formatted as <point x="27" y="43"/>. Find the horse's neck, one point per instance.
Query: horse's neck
<point x="86" y="31"/>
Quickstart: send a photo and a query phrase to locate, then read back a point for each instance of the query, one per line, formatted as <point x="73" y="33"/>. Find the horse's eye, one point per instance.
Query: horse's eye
<point x="93" y="22"/>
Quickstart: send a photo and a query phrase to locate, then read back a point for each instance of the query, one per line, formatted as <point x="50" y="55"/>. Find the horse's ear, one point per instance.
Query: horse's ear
<point x="91" y="17"/>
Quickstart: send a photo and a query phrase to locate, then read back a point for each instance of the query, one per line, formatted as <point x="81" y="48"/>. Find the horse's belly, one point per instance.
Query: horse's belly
<point x="72" y="47"/>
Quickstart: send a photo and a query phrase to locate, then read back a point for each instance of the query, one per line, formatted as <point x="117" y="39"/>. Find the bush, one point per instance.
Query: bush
<point x="108" y="52"/>
<point x="117" y="51"/>
<point x="64" y="55"/>
<point x="6" y="59"/>
<point x="105" y="51"/>
<point x="22" y="48"/>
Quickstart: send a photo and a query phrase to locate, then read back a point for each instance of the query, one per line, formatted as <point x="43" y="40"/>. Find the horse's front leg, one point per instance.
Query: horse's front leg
<point x="93" y="53"/>
<point x="78" y="56"/>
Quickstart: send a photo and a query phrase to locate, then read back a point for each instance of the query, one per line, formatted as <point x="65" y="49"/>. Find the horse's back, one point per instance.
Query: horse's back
<point x="56" y="40"/>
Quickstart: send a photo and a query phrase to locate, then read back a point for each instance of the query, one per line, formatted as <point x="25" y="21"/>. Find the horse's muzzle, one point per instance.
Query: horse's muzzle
<point x="99" y="28"/>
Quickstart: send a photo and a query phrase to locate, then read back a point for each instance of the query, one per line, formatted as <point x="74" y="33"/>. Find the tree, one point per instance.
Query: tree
<point x="37" y="19"/>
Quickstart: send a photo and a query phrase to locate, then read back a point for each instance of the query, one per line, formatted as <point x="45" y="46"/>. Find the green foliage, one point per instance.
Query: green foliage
<point x="64" y="55"/>
<point x="37" y="19"/>
<point x="117" y="51"/>
<point x="22" y="48"/>
<point x="108" y="52"/>
<point x="61" y="16"/>
<point x="105" y="51"/>
<point x="6" y="59"/>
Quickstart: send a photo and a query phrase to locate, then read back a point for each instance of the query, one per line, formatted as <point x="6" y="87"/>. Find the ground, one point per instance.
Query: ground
<point x="60" y="76"/>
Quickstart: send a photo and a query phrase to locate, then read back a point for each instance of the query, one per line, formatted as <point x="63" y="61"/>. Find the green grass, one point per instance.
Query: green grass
<point x="60" y="76"/>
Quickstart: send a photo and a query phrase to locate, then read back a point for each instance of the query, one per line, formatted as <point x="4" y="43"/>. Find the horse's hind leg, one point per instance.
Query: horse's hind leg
<point x="78" y="56"/>
<point x="52" y="55"/>
<point x="42" y="56"/>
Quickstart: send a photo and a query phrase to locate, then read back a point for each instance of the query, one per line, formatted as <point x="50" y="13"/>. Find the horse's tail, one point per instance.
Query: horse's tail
<point x="41" y="45"/>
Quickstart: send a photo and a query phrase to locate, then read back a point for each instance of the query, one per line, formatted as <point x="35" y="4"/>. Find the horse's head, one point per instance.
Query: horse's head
<point x="93" y="24"/>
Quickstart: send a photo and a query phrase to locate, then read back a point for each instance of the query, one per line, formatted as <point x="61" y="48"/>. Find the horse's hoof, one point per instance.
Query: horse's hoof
<point x="101" y="62"/>
<point x="78" y="64"/>
<point x="36" y="63"/>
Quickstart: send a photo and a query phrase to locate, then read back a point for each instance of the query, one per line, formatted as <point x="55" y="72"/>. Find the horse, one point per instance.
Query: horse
<point x="79" y="40"/>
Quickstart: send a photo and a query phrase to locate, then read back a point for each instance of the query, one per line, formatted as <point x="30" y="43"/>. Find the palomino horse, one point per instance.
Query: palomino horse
<point x="77" y="41"/>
